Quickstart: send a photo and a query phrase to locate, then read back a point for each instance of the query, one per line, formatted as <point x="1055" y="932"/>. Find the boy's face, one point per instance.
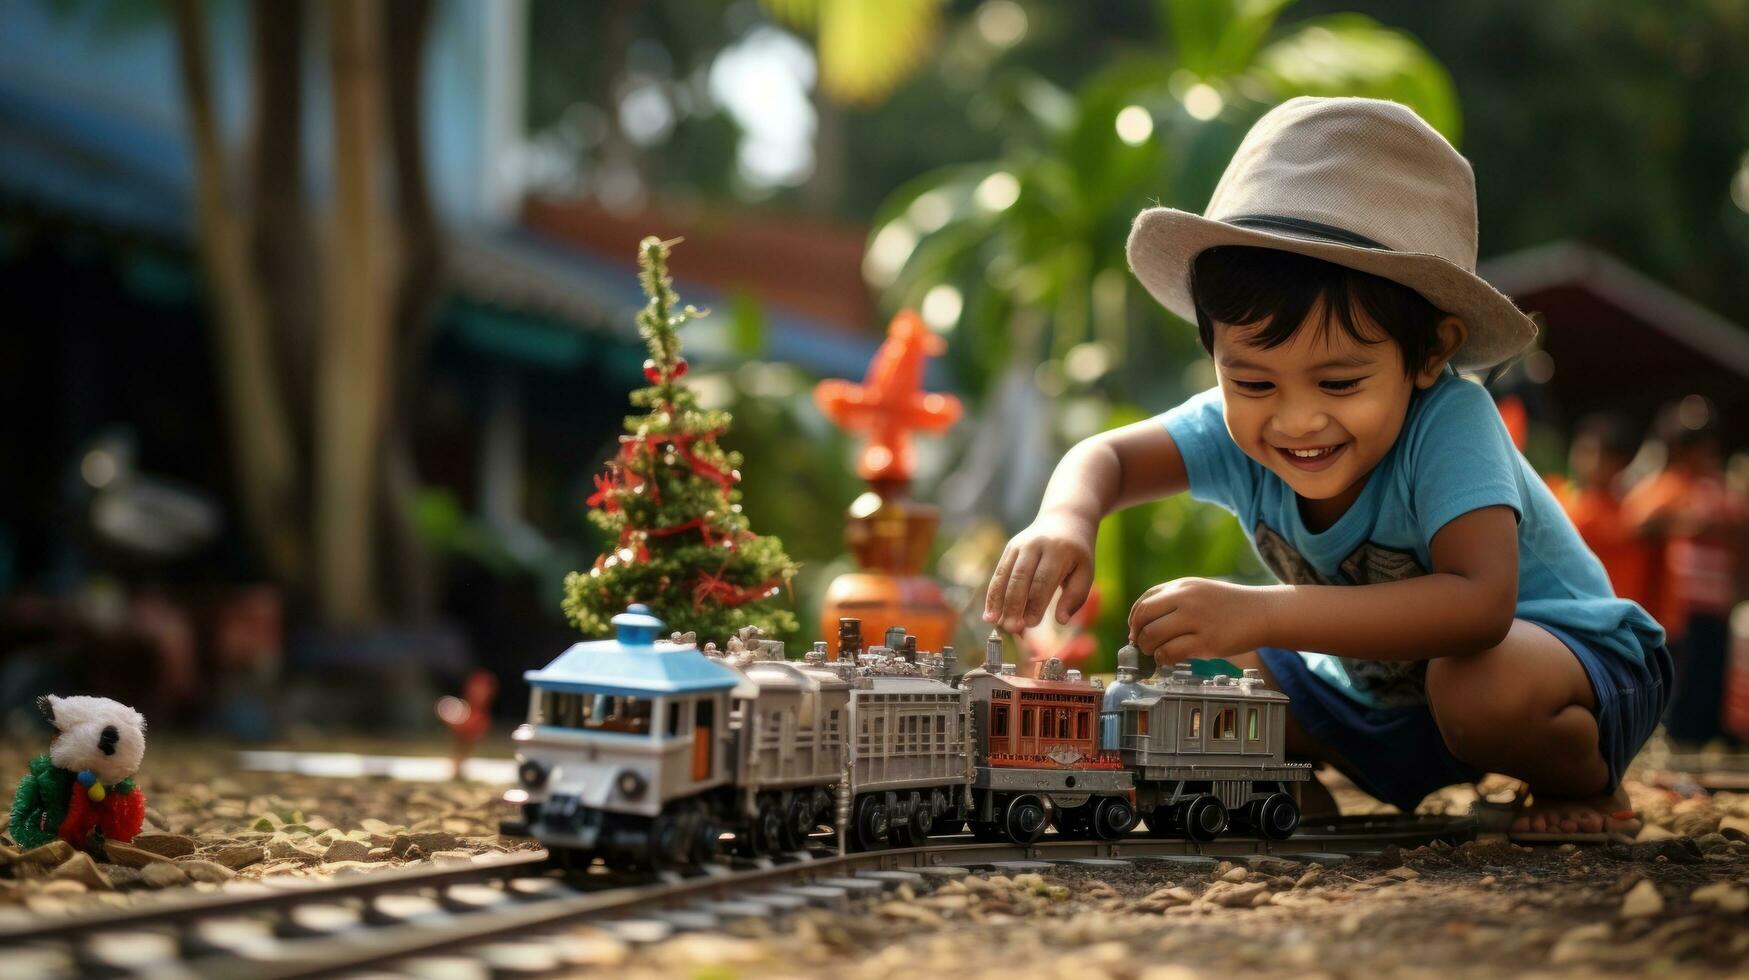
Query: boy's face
<point x="1322" y="409"/>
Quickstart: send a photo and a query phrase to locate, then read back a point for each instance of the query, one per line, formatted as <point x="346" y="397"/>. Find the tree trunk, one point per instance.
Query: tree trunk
<point x="260" y="436"/>
<point x="352" y="368"/>
<point x="411" y="587"/>
<point x="283" y="245"/>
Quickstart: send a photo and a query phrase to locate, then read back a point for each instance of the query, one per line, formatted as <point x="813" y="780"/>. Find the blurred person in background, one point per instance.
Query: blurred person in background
<point x="1698" y="527"/>
<point x="1603" y="444"/>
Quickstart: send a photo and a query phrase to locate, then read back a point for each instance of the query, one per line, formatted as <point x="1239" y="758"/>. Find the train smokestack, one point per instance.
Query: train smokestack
<point x="849" y="639"/>
<point x="895" y="639"/>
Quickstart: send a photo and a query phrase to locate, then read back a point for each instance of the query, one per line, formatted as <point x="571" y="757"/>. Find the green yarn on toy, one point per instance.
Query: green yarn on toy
<point x="40" y="804"/>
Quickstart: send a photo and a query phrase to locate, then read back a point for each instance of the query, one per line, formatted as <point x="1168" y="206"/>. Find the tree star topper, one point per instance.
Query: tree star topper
<point x="890" y="402"/>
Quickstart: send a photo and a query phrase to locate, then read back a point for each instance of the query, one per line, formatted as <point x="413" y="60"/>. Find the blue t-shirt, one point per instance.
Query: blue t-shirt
<point x="1453" y="456"/>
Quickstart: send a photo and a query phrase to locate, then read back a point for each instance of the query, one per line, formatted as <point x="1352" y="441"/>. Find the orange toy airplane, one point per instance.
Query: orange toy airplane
<point x="890" y="403"/>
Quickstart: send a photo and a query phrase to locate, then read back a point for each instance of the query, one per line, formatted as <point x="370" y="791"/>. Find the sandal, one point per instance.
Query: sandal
<point x="1497" y="818"/>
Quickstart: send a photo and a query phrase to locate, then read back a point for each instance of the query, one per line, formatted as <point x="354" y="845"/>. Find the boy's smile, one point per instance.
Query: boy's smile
<point x="1320" y="410"/>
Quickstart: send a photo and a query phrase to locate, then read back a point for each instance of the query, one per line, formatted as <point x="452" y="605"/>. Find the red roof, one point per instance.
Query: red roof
<point x="807" y="265"/>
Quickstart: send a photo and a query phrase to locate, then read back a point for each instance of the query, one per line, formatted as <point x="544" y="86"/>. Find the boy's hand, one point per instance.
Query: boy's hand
<point x="1055" y="551"/>
<point x="1198" y="617"/>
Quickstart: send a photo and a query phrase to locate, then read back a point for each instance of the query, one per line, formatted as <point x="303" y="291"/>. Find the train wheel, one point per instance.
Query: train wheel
<point x="921" y="816"/>
<point x="706" y="835"/>
<point x="1204" y="818"/>
<point x="869" y="825"/>
<point x="1023" y="820"/>
<point x="768" y="827"/>
<point x="799" y="823"/>
<point x="1113" y="817"/>
<point x="1278" y="816"/>
<point x="671" y="838"/>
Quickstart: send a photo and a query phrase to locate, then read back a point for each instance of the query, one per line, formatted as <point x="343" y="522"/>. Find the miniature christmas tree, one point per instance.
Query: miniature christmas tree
<point x="669" y="501"/>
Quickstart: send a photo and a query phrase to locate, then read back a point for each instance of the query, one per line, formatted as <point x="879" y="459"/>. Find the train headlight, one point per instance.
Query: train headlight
<point x="533" y="774"/>
<point x="630" y="784"/>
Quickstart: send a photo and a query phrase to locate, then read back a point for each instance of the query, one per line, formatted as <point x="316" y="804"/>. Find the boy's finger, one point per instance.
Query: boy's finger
<point x="1167" y="649"/>
<point x="1146" y="609"/>
<point x="998" y="585"/>
<point x="1158" y="631"/>
<point x="1181" y="648"/>
<point x="1044" y="585"/>
<point x="1075" y="591"/>
<point x="1019" y="583"/>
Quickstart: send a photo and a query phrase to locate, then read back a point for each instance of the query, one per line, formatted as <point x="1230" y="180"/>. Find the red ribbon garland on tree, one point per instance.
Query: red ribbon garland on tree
<point x="619" y="476"/>
<point x="711" y="585"/>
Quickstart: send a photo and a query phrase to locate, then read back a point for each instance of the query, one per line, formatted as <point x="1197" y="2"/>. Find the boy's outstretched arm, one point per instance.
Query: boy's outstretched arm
<point x="1100" y="474"/>
<point x="1465" y="605"/>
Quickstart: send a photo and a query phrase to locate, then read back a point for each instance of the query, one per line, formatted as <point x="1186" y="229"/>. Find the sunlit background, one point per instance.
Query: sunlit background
<point x="320" y="314"/>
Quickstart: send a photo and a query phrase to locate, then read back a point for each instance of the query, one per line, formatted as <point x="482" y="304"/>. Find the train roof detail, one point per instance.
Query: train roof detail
<point x="1184" y="682"/>
<point x="633" y="663"/>
<point x="1031" y="684"/>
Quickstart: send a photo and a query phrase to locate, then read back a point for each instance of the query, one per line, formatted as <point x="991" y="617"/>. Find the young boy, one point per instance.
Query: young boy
<point x="1459" y="623"/>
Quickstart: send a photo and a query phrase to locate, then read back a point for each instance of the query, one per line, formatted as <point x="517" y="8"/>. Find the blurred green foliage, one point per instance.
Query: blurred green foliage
<point x="1033" y="238"/>
<point x="1617" y="124"/>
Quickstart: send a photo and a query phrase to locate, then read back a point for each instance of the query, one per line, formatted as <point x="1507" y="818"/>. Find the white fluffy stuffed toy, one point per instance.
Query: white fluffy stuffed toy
<point x="84" y="783"/>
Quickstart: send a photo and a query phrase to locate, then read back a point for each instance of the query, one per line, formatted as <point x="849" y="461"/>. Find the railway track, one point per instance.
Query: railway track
<point x="500" y="906"/>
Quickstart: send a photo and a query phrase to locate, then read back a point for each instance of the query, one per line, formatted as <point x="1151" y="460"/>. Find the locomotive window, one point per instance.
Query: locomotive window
<point x="1142" y="722"/>
<point x="1251" y="724"/>
<point x="1196" y="723"/>
<point x="1083" y="724"/>
<point x="999" y="721"/>
<point x="1226" y="723"/>
<point x="598" y="712"/>
<point x="1026" y="722"/>
<point x="1062" y="722"/>
<point x="674" y="718"/>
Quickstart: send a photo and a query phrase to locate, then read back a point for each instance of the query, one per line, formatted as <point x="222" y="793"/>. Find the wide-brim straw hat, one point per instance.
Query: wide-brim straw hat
<point x="1362" y="183"/>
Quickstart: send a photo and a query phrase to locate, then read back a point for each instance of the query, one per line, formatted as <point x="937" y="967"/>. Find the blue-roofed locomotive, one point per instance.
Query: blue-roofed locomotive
<point x="622" y="751"/>
<point x="645" y="751"/>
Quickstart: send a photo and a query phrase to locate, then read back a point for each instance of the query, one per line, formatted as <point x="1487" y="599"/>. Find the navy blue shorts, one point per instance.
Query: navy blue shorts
<point x="1397" y="754"/>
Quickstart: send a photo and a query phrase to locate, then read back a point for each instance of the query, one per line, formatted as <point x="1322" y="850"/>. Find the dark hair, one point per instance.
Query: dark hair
<point x="1242" y="285"/>
<point x="1612" y="432"/>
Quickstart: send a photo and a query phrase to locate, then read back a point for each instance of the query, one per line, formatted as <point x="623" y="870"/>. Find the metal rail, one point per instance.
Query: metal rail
<point x="599" y="897"/>
<point x="270" y="895"/>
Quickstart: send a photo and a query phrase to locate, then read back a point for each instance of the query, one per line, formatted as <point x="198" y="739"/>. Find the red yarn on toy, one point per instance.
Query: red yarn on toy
<point x="120" y="816"/>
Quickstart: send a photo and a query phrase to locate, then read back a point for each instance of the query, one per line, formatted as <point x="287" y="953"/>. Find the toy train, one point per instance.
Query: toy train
<point x="654" y="752"/>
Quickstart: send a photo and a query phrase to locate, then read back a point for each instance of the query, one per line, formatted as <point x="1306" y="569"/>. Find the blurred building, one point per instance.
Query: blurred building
<point x="1614" y="339"/>
<point x="534" y="346"/>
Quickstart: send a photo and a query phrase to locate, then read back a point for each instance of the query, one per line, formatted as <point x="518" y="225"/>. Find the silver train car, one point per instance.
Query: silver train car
<point x="1209" y="752"/>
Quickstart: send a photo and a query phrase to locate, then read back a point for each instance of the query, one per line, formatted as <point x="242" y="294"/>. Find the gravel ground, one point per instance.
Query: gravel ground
<point x="1482" y="909"/>
<point x="1676" y="900"/>
<point x="208" y="824"/>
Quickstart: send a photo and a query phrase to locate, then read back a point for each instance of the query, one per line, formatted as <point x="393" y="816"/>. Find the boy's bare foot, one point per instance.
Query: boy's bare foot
<point x="1599" y="814"/>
